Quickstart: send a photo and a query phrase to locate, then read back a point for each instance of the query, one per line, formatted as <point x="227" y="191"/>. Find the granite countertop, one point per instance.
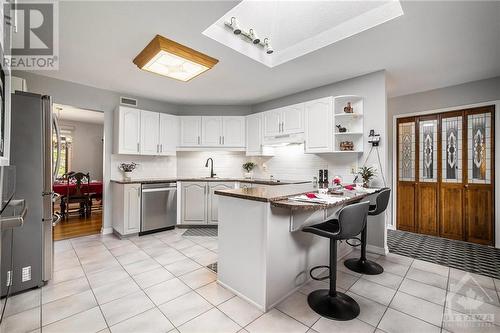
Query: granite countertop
<point x="208" y="179"/>
<point x="278" y="196"/>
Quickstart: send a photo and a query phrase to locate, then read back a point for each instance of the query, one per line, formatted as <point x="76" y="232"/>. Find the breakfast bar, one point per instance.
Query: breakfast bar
<point x="263" y="255"/>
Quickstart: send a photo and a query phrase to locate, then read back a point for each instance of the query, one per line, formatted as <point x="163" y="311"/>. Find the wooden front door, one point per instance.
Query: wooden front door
<point x="445" y="176"/>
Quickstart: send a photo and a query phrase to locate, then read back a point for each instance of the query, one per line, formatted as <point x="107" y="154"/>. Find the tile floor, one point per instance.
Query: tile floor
<point x="158" y="283"/>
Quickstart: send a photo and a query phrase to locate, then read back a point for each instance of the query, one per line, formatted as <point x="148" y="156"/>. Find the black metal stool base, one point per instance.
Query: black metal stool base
<point x="363" y="266"/>
<point x="339" y="307"/>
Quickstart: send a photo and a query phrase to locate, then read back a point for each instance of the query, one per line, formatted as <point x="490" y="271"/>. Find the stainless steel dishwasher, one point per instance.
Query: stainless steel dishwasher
<point x="159" y="207"/>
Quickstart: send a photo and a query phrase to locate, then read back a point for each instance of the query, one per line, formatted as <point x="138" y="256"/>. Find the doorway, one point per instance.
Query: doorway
<point x="445" y="174"/>
<point x="78" y="154"/>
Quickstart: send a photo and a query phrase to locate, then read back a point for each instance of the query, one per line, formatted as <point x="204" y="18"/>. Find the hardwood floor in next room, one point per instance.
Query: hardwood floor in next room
<point x="76" y="226"/>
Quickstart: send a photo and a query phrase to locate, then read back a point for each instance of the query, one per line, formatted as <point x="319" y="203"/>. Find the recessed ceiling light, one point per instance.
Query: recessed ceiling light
<point x="168" y="58"/>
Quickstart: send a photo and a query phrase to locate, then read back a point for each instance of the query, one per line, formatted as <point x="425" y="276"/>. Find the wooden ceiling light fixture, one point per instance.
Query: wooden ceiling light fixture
<point x="168" y="58"/>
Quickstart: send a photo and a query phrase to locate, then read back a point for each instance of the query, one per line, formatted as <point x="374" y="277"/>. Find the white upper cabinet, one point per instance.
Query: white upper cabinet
<point x="211" y="131"/>
<point x="150" y="133"/>
<point x="319" y="125"/>
<point x="168" y="134"/>
<point x="127" y="130"/>
<point x="233" y="131"/>
<point x="190" y="131"/>
<point x="254" y="135"/>
<point x="285" y="120"/>
<point x="272" y="122"/>
<point x="292" y="119"/>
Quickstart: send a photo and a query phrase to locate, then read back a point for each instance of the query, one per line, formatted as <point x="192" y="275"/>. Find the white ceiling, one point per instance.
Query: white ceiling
<point x="70" y="113"/>
<point x="434" y="44"/>
<point x="295" y="28"/>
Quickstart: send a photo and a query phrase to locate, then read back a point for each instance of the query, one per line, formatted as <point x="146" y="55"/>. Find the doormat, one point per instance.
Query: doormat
<point x="203" y="232"/>
<point x="470" y="257"/>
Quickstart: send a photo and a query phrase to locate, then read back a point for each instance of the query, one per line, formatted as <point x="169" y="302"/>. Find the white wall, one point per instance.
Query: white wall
<point x="86" y="148"/>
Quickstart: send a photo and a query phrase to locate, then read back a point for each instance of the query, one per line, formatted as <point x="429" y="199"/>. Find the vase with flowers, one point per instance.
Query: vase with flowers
<point x="248" y="167"/>
<point x="127" y="169"/>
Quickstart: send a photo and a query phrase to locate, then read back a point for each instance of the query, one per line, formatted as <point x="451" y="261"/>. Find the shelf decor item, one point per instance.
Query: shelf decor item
<point x="248" y="167"/>
<point x="127" y="169"/>
<point x="346" y="146"/>
<point x="367" y="174"/>
<point x="341" y="129"/>
<point x="348" y="108"/>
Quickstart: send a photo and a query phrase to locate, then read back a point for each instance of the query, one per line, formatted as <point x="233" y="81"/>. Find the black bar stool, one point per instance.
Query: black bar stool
<point x="363" y="265"/>
<point x="332" y="303"/>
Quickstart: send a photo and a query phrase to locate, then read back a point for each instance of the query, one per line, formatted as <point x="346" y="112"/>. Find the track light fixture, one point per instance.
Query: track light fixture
<point x="251" y="35"/>
<point x="233" y="24"/>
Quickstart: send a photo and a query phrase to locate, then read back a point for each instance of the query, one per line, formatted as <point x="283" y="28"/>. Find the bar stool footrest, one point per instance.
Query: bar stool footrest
<point x="317" y="278"/>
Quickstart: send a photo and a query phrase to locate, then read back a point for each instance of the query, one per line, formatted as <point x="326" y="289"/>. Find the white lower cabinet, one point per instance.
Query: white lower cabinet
<point x="199" y="204"/>
<point x="194" y="202"/>
<point x="126" y="208"/>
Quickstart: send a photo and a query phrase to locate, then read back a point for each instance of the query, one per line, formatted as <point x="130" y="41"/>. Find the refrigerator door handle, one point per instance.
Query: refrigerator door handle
<point x="58" y="159"/>
<point x="17" y="220"/>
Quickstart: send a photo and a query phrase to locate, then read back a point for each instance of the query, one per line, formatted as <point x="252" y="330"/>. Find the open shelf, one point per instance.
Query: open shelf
<point x="349" y="133"/>
<point x="347" y="151"/>
<point x="354" y="115"/>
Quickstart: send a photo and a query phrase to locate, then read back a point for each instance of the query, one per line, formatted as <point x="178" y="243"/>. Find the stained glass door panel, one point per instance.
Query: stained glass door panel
<point x="451" y="212"/>
<point x="406" y="173"/>
<point x="427" y="188"/>
<point x="479" y="190"/>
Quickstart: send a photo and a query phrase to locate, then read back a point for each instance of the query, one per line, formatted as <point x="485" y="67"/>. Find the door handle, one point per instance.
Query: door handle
<point x="198" y="140"/>
<point x="222" y="140"/>
<point x="161" y="148"/>
<point x="138" y="146"/>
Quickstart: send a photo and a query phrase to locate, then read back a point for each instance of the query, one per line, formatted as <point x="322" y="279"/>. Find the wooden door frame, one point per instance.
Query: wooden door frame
<point x="496" y="103"/>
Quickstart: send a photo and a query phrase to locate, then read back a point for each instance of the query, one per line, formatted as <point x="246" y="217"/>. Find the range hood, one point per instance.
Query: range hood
<point x="284" y="140"/>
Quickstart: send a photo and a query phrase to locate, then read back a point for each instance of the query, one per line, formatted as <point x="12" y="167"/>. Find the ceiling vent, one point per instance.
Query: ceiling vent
<point x="128" y="101"/>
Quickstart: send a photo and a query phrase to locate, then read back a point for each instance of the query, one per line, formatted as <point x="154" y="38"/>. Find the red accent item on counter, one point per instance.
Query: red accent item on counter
<point x="311" y="195"/>
<point x="349" y="187"/>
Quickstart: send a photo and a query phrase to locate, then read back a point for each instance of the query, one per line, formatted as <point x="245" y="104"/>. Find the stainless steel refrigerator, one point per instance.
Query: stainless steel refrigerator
<point x="31" y="153"/>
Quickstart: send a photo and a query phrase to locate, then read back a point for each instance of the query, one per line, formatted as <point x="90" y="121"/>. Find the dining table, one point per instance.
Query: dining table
<point x="95" y="186"/>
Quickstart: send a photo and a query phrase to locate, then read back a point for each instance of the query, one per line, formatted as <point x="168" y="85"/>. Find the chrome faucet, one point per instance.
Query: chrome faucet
<point x="212" y="174"/>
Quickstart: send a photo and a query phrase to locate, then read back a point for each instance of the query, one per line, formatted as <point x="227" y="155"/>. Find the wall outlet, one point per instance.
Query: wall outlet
<point x="26" y="274"/>
<point x="354" y="169"/>
<point x="9" y="278"/>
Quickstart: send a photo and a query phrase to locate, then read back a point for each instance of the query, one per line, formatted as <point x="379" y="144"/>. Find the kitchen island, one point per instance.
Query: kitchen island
<point x="263" y="256"/>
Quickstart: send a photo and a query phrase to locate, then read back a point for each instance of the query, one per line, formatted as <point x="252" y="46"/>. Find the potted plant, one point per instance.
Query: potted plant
<point x="127" y="169"/>
<point x="367" y="174"/>
<point x="248" y="167"/>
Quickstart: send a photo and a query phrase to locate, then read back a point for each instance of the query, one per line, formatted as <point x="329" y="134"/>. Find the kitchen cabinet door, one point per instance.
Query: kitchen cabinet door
<point x="129" y="130"/>
<point x="149" y="133"/>
<point x="272" y="123"/>
<point x="132" y="208"/>
<point x="194" y="202"/>
<point x="168" y="134"/>
<point x="292" y="119"/>
<point x="190" y="131"/>
<point x="233" y="134"/>
<point x="213" y="200"/>
<point x="211" y="131"/>
<point x="319" y="125"/>
<point x="254" y="134"/>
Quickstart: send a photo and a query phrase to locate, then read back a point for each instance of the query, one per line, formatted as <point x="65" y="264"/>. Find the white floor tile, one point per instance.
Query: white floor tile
<point x="419" y="308"/>
<point x="151" y="321"/>
<point x="296" y="306"/>
<point x="116" y="289"/>
<point x="240" y="311"/>
<point x="198" y="278"/>
<point x="126" y="307"/>
<point x="185" y="308"/>
<point x="66" y="307"/>
<point x="397" y="322"/>
<point x="429" y="278"/>
<point x="167" y="291"/>
<point x="64" y="289"/>
<point x="373" y="291"/>
<point x="424" y="291"/>
<point x="22" y="322"/>
<point x="387" y="279"/>
<point x="182" y="266"/>
<point x="214" y="293"/>
<point x="97" y="279"/>
<point x="370" y="311"/>
<point x="89" y="321"/>
<point x="150" y="278"/>
<point x="430" y="267"/>
<point x="212" y="321"/>
<point x="276" y="321"/>
<point x="22" y="302"/>
<point x="142" y="266"/>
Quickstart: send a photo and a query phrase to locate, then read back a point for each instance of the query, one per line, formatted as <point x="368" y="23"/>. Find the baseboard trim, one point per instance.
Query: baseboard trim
<point x="107" y="231"/>
<point x="377" y="250"/>
<point x="260" y="307"/>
